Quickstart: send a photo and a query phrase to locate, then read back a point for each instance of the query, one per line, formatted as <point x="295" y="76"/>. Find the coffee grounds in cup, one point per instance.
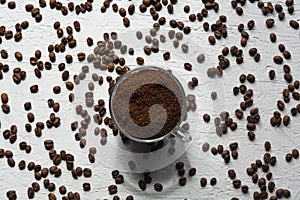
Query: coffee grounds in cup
<point x="140" y="99"/>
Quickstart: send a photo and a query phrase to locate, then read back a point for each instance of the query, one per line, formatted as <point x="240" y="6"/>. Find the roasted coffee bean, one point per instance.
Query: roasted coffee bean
<point x="34" y="88"/>
<point x="203" y="182"/>
<point x="87" y="172"/>
<point x="236" y="183"/>
<point x="212" y="40"/>
<point x="213" y="181"/>
<point x="258" y="163"/>
<point x="239" y="11"/>
<point x="206" y="118"/>
<point x="11" y="162"/>
<point x="179" y="165"/>
<point x="272" y="74"/>
<point x="181" y="172"/>
<point x="252" y="51"/>
<point x="286" y="193"/>
<point x="270" y="22"/>
<point x="286" y="120"/>
<point x="278" y="59"/>
<point x="220" y="149"/>
<point x="269" y="176"/>
<point x="142" y="185"/>
<point x="250" y="78"/>
<point x="245" y="189"/>
<point x="288" y="157"/>
<point x="295" y="153"/>
<point x="112" y="189"/>
<point x="5" y="108"/>
<point x="231" y="174"/>
<point x="51" y="187"/>
<point x="250" y="171"/>
<point x="294" y="24"/>
<point x="265" y="167"/>
<point x="182" y="181"/>
<point x="214" y="151"/>
<point x="11" y="5"/>
<point x="30" y="193"/>
<point x="273" y="37"/>
<point x="279" y="193"/>
<point x="4" y="54"/>
<point x="18" y="56"/>
<point x="4" y="98"/>
<point x="286" y="54"/>
<point x="250" y="24"/>
<point x="273" y="161"/>
<point x="86" y="186"/>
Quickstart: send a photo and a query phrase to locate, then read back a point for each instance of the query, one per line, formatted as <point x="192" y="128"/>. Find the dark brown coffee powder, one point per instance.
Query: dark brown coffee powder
<point x="148" y="88"/>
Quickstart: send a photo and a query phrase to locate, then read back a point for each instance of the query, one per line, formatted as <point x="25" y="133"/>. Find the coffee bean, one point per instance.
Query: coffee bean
<point x="112" y="189"/>
<point x="51" y="187"/>
<point x="87" y="172"/>
<point x="236" y="183"/>
<point x="286" y="54"/>
<point x="279" y="193"/>
<point x="11" y="162"/>
<point x="203" y="182"/>
<point x="273" y="161"/>
<point x="270" y="22"/>
<point x="267" y="146"/>
<point x="179" y="165"/>
<point x="239" y="11"/>
<point x="30" y="193"/>
<point x="231" y="174"/>
<point x="278" y="59"/>
<point x="286" y="120"/>
<point x="140" y="60"/>
<point x="188" y="66"/>
<point x="34" y="88"/>
<point x="245" y="189"/>
<point x="205" y="147"/>
<point x="86" y="187"/>
<point x="250" y="24"/>
<point x="142" y="185"/>
<point x="5" y="108"/>
<point x="213" y="181"/>
<point x="11" y="5"/>
<point x="4" y="54"/>
<point x="206" y="118"/>
<point x="250" y="78"/>
<point x="295" y="153"/>
<point x="212" y="40"/>
<point x="273" y="37"/>
<point x="288" y="157"/>
<point x="182" y="181"/>
<point x="252" y="51"/>
<point x="181" y="172"/>
<point x="184" y="48"/>
<point x="35" y="186"/>
<point x="272" y="74"/>
<point x="214" y="151"/>
<point x="294" y="24"/>
<point x="4" y="98"/>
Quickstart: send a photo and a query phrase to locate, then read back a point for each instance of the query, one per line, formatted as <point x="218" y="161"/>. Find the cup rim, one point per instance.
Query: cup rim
<point x="123" y="77"/>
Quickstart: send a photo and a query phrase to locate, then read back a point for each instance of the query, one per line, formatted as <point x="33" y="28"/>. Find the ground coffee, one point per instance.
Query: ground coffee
<point x="147" y="103"/>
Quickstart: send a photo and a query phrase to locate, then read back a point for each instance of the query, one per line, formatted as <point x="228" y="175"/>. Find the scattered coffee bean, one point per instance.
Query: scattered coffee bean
<point x="158" y="187"/>
<point x="231" y="174"/>
<point x="86" y="187"/>
<point x="294" y="24"/>
<point x="203" y="182"/>
<point x="288" y="157"/>
<point x="213" y="181"/>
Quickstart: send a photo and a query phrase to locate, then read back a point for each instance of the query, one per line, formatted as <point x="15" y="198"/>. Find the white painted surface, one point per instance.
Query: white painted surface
<point x="94" y="24"/>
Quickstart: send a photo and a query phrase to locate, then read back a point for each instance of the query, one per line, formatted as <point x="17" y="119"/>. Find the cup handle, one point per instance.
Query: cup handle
<point x="183" y="134"/>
